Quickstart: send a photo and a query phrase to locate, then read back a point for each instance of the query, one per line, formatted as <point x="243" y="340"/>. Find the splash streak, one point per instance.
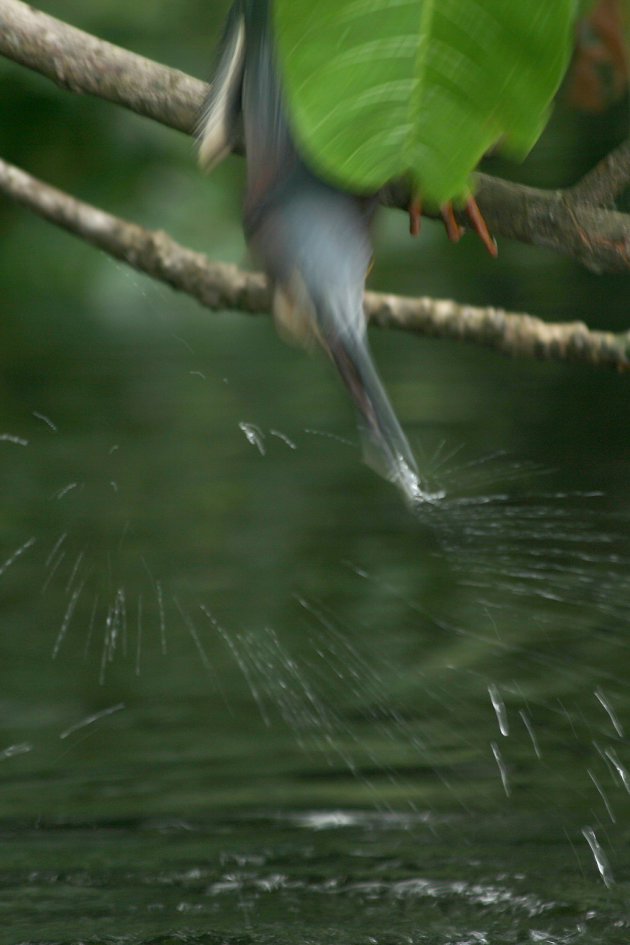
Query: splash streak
<point x="139" y="636"/>
<point x="499" y="707"/>
<point x="14" y="750"/>
<point x="601" y="860"/>
<point x="621" y="771"/>
<point x="532" y="734"/>
<point x="160" y="600"/>
<point x="91" y="627"/>
<point x="602" y="794"/>
<point x="56" y="548"/>
<point x="608" y="709"/>
<point x="241" y="663"/>
<point x="502" y="768"/>
<point x="16" y="554"/>
<point x="67" y="618"/>
<point x="46" y="420"/>
<point x="91" y="719"/>
<point x="73" y="574"/>
<point x="193" y="632"/>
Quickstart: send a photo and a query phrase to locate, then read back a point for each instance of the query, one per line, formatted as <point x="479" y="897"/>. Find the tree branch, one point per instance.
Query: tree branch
<point x="607" y="180"/>
<point x="215" y="285"/>
<point x="571" y="221"/>
<point x="514" y="334"/>
<point x="566" y="221"/>
<point x="218" y="286"/>
<point x="81" y="63"/>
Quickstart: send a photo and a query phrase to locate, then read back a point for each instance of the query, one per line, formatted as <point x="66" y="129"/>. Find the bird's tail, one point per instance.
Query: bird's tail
<point x="218" y="127"/>
<point x="385" y="446"/>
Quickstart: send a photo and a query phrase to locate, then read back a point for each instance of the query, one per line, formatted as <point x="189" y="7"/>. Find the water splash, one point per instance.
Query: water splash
<point x="56" y="548"/>
<point x="231" y="642"/>
<point x="284" y="438"/>
<point x="499" y="707"/>
<point x="20" y="749"/>
<point x="91" y="719"/>
<point x="601" y="860"/>
<point x="254" y="435"/>
<point x="403" y="476"/>
<point x="190" y="626"/>
<point x="115" y="630"/>
<point x="17" y="554"/>
<point x="508" y="556"/>
<point x="502" y="768"/>
<point x="612" y="715"/>
<point x="75" y="569"/>
<point x="603" y="795"/>
<point x="619" y="768"/>
<point x="326" y="434"/>
<point x="160" y="602"/>
<point x="61" y="493"/>
<point x="46" y="420"/>
<point x="139" y="635"/>
<point x="11" y="438"/>
<point x="91" y="625"/>
<point x="532" y="734"/>
<point x="67" y="617"/>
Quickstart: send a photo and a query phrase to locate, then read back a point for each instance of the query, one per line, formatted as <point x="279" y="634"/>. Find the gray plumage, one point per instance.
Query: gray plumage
<point x="312" y="238"/>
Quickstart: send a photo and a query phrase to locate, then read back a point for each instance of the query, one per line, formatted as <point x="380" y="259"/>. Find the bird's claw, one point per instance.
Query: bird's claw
<point x="454" y="231"/>
<point x="479" y="226"/>
<point x="415" y="209"/>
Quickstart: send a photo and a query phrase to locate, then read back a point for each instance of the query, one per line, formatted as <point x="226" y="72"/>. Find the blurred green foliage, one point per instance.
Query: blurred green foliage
<point x="423" y="89"/>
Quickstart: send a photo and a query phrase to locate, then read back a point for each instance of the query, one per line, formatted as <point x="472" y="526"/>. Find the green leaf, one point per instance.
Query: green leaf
<point x="378" y="89"/>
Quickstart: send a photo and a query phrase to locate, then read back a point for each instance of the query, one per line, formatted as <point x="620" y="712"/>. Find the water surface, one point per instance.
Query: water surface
<point x="249" y="696"/>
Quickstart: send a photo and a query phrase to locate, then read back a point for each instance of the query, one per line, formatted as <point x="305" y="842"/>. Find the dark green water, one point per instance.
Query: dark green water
<point x="248" y="696"/>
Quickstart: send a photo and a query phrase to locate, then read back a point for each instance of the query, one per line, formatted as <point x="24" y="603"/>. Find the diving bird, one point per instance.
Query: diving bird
<point x="312" y="238"/>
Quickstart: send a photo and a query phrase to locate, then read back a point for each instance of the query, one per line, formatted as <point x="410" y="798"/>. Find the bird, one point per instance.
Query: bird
<point x="312" y="238"/>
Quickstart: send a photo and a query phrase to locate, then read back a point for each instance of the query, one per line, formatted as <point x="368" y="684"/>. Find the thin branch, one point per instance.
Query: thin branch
<point x="218" y="286"/>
